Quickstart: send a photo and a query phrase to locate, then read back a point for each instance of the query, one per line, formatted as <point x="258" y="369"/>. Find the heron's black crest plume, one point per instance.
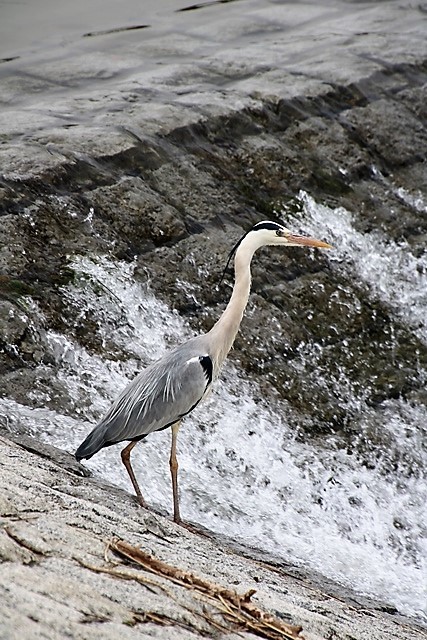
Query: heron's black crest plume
<point x="230" y="255"/>
<point x="273" y="226"/>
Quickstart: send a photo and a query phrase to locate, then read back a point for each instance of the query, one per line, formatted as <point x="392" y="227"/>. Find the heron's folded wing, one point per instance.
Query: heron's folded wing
<point x="162" y="394"/>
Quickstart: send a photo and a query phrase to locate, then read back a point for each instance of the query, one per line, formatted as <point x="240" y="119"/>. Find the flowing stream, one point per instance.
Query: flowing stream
<point x="243" y="472"/>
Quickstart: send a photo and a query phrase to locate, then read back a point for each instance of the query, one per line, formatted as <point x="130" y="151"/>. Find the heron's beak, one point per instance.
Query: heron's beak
<point x="308" y="242"/>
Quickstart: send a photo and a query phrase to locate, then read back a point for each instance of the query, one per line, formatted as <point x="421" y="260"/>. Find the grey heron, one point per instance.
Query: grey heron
<point x="169" y="389"/>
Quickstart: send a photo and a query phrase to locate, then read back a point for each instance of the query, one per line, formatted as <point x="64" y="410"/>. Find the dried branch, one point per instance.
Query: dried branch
<point x="237" y="608"/>
<point x="123" y="575"/>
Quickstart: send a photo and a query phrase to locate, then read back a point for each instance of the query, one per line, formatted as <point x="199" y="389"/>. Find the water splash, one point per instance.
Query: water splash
<point x="414" y="201"/>
<point x="243" y="471"/>
<point x="391" y="270"/>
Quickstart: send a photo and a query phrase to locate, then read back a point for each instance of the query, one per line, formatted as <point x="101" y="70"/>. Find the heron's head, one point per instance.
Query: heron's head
<point x="273" y="233"/>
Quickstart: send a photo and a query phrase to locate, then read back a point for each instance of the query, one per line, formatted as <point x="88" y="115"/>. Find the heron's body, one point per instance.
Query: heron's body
<point x="167" y="390"/>
<point x="158" y="397"/>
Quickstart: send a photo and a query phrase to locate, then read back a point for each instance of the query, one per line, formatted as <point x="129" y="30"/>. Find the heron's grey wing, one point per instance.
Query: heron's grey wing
<point x="161" y="395"/>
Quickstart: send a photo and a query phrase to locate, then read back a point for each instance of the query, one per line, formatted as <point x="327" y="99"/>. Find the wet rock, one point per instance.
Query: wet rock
<point x="12" y="323"/>
<point x="390" y="131"/>
<point x="137" y="214"/>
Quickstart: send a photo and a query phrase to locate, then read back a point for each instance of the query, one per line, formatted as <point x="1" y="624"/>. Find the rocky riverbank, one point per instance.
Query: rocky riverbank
<point x="59" y="579"/>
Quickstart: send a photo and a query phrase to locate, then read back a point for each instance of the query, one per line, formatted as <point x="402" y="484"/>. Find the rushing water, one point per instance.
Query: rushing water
<point x="242" y="471"/>
<point x="391" y="271"/>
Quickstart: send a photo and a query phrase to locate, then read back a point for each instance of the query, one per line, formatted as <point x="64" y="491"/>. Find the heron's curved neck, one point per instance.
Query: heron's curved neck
<point x="224" y="331"/>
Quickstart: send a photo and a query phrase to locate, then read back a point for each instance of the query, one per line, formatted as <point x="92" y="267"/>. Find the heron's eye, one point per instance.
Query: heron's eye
<point x="279" y="232"/>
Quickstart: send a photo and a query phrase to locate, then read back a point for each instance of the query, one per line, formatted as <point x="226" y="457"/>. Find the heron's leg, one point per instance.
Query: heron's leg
<point x="126" y="461"/>
<point x="173" y="463"/>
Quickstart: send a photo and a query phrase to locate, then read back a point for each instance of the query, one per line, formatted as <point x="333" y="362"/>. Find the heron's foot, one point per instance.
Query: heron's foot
<point x="191" y="528"/>
<point x="141" y="501"/>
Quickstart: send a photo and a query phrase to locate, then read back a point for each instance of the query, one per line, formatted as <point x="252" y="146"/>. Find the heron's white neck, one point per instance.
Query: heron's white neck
<point x="223" y="333"/>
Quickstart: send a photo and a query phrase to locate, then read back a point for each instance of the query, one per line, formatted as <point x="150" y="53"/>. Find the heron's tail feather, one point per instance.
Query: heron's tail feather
<point x="93" y="443"/>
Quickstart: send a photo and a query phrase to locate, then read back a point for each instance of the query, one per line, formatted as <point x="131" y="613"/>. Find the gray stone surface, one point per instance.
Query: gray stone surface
<point x="52" y="519"/>
<point x="189" y="66"/>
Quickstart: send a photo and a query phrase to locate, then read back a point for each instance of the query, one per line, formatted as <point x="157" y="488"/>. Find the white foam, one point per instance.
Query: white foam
<point x="391" y="270"/>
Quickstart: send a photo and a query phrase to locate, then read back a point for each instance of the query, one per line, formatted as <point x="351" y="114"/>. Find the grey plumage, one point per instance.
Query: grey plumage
<point x="167" y="390"/>
<point x="158" y="397"/>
